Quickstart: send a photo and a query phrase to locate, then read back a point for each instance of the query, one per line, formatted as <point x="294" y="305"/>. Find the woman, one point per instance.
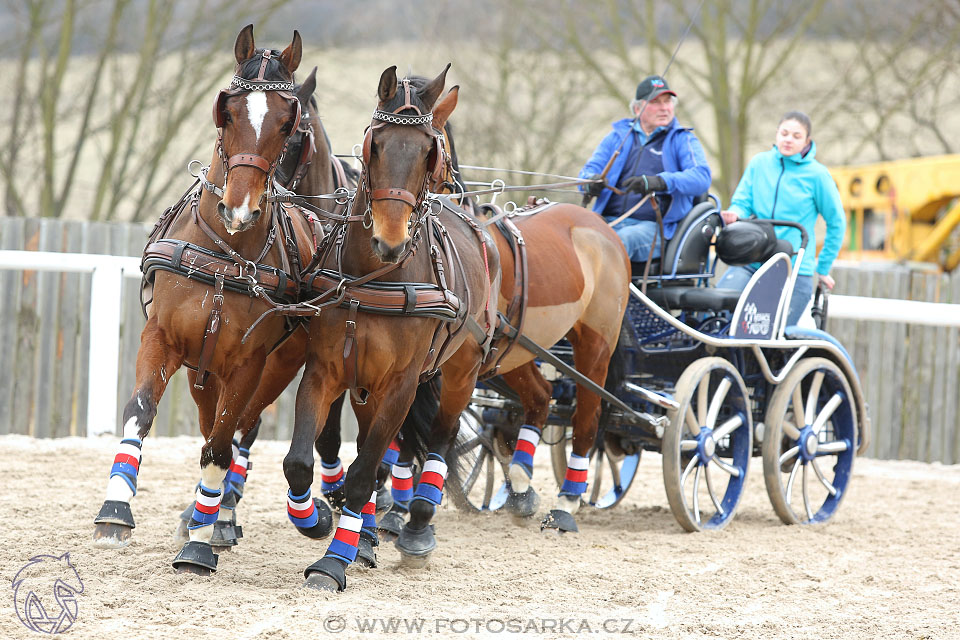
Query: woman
<point x="787" y="183"/>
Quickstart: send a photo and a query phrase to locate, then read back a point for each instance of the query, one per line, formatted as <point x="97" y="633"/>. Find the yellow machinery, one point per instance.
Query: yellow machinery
<point x="903" y="210"/>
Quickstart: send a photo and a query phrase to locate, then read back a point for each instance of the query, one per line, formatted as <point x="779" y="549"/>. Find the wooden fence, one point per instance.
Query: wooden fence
<point x="910" y="373"/>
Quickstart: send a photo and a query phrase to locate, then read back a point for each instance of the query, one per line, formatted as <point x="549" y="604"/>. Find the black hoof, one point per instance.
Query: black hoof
<point x="391" y="524"/>
<point x="366" y="554"/>
<point x="114" y="525"/>
<point x="523" y="505"/>
<point x="324" y="521"/>
<point x="559" y="520"/>
<point x="337" y="498"/>
<point x="384" y="500"/>
<point x="326" y="574"/>
<point x="418" y="543"/>
<point x="224" y="534"/>
<point x="196" y="557"/>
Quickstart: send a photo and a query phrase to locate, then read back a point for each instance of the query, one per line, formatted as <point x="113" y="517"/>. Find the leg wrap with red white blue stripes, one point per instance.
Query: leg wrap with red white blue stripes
<point x="369" y="516"/>
<point x="434" y="473"/>
<point x="527" y="441"/>
<point x="237" y="473"/>
<point x="331" y="476"/>
<point x="344" y="544"/>
<point x="206" y="508"/>
<point x="401" y="484"/>
<point x="393" y="453"/>
<point x="301" y="510"/>
<point x="575" y="481"/>
<point x="126" y="464"/>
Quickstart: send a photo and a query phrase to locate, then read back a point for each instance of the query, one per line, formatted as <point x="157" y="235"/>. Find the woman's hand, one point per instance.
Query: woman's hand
<point x="827" y="281"/>
<point x="729" y="217"/>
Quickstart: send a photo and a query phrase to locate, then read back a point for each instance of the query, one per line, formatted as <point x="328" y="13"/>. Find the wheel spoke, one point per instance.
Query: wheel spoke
<point x="791" y="430"/>
<point x="826" y="483"/>
<point x="469" y="444"/>
<point x="691" y="421"/>
<point x="702" y="390"/>
<point x="595" y="483"/>
<point x="793" y="476"/>
<point x="727" y="427"/>
<point x="806" y="493"/>
<point x="812" y="396"/>
<point x="688" y="445"/>
<point x="827" y="448"/>
<point x="729" y="468"/>
<point x="471" y="478"/>
<point x="713" y="495"/>
<point x="696" y="493"/>
<point x="614" y="471"/>
<point x="798" y="409"/>
<point x="686" y="472"/>
<point x="717" y="402"/>
<point x="827" y="412"/>
<point x="488" y="486"/>
<point x="789" y="453"/>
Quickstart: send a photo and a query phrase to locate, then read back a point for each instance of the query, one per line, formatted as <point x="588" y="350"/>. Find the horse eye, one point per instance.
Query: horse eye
<point x="287" y="128"/>
<point x="227" y="117"/>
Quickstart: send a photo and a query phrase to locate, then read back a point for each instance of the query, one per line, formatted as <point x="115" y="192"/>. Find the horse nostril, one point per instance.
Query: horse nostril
<point x="254" y="214"/>
<point x="222" y="209"/>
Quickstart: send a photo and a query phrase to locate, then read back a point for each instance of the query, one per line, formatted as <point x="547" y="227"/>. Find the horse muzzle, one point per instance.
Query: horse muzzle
<point x="388" y="253"/>
<point x="237" y="219"/>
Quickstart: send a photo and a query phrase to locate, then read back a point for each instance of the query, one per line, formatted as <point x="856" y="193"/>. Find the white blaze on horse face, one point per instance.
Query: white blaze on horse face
<point x="257" y="110"/>
<point x="240" y="216"/>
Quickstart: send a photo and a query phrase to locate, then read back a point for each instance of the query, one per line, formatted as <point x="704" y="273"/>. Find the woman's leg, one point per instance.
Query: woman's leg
<point x="736" y="278"/>
<point x="802" y="292"/>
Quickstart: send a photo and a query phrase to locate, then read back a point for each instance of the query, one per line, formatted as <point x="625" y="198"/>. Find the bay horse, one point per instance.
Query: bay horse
<point x="565" y="274"/>
<point x="407" y="292"/>
<point x="207" y="290"/>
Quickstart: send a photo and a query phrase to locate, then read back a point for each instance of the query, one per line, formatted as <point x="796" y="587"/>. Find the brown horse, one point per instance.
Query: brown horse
<point x="411" y="282"/>
<point x="210" y="287"/>
<point x="577" y="277"/>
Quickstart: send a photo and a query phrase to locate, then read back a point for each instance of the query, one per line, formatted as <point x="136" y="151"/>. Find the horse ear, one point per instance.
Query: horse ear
<point x="443" y="109"/>
<point x="308" y="87"/>
<point x="434" y="88"/>
<point x="292" y="54"/>
<point x="388" y="84"/>
<point x="244" y="48"/>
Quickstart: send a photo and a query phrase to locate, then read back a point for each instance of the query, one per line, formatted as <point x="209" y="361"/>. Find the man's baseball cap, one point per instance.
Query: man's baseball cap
<point x="652" y="87"/>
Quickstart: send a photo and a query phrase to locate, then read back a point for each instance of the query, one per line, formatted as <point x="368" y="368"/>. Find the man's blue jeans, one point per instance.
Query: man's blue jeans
<point x="637" y="236"/>
<point x="738" y="277"/>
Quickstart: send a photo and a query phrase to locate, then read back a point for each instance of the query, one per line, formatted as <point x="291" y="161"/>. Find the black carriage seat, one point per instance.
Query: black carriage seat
<point x="686" y="254"/>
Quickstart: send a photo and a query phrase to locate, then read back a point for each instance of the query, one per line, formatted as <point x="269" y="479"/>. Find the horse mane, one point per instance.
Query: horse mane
<point x="248" y="69"/>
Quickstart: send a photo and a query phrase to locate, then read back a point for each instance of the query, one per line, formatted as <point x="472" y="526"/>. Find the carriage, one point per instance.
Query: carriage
<point x="708" y="377"/>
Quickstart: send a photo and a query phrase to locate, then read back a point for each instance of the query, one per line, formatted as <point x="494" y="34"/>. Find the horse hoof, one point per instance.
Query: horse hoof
<point x="324" y="521"/>
<point x="366" y="554"/>
<point x="413" y="562"/>
<point x="224" y="534"/>
<point x="391" y="524"/>
<point x="108" y="535"/>
<point x="416" y="543"/>
<point x="326" y="574"/>
<point x="560" y="521"/>
<point x="523" y="505"/>
<point x="181" y="534"/>
<point x="337" y="498"/>
<point x="197" y="558"/>
<point x="384" y="500"/>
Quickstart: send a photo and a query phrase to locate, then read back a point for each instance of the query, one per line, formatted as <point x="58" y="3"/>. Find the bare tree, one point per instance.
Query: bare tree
<point x="101" y="124"/>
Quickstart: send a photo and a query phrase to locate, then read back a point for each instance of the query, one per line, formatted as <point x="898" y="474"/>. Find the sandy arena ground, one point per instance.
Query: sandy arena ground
<point x="887" y="566"/>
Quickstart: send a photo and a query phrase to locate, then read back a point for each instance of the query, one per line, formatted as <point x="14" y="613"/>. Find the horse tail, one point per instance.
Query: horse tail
<point x="617" y="369"/>
<point x="416" y="429"/>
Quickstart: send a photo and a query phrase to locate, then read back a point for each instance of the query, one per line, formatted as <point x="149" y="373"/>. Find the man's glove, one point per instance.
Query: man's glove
<point x="644" y="184"/>
<point x="595" y="188"/>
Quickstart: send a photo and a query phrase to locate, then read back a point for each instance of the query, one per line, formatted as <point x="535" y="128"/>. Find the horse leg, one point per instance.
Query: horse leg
<point x="534" y="392"/>
<point x="378" y="422"/>
<point x="216" y="455"/>
<point x="591" y="357"/>
<point x="156" y="363"/>
<point x="401" y="491"/>
<point x="416" y="540"/>
<point x="328" y="447"/>
<point x="384" y="495"/>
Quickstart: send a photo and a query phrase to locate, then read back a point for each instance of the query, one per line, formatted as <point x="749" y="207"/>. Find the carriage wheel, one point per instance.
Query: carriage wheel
<point x="478" y="473"/>
<point x="707" y="445"/>
<point x="613" y="465"/>
<point x="809" y="444"/>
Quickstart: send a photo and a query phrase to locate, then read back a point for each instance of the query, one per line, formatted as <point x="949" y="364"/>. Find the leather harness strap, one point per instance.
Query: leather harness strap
<point x="210" y="335"/>
<point x="518" y="301"/>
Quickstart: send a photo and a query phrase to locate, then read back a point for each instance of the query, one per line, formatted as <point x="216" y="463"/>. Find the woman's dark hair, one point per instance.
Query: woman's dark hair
<point x="800" y="117"/>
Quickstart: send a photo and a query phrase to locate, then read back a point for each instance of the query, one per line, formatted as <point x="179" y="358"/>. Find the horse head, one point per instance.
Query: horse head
<point x="256" y="116"/>
<point x="403" y="157"/>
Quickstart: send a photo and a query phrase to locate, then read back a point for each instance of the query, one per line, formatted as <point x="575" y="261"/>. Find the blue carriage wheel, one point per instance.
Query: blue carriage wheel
<point x="809" y="442"/>
<point x="478" y="467"/>
<point x="611" y="470"/>
<point x="707" y="445"/>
